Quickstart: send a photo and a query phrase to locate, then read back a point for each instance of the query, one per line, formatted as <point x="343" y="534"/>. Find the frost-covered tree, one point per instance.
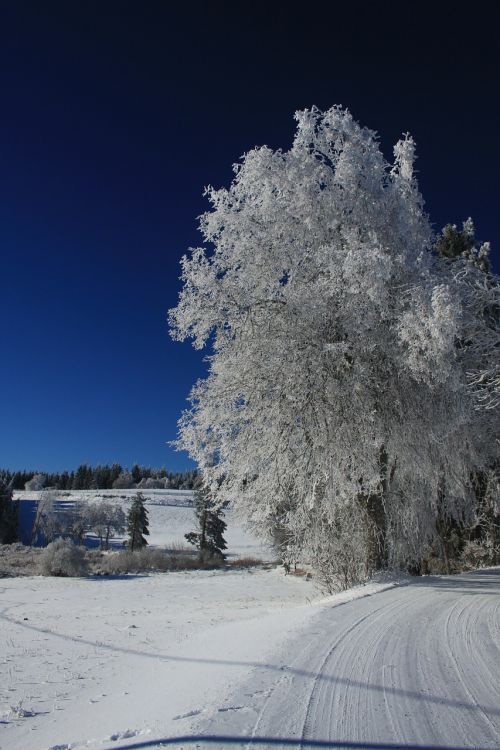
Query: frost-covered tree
<point x="45" y="523"/>
<point x="105" y="520"/>
<point x="470" y="263"/>
<point x="479" y="344"/>
<point x="75" y="521"/>
<point x="124" y="481"/>
<point x="36" y="483"/>
<point x="334" y="384"/>
<point x="137" y="523"/>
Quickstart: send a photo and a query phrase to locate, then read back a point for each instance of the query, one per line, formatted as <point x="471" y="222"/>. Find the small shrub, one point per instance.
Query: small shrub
<point x="152" y="559"/>
<point x="245" y="562"/>
<point x="138" y="561"/>
<point x="149" y="560"/>
<point x="117" y="563"/>
<point x="19" y="560"/>
<point x="63" y="558"/>
<point x="340" y="551"/>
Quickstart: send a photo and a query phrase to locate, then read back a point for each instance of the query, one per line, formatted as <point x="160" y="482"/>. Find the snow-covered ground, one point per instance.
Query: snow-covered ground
<point x="92" y="663"/>
<point x="414" y="666"/>
<point x="116" y="661"/>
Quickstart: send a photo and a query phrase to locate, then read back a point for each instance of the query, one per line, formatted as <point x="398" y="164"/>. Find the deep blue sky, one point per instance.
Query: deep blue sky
<point x="116" y="114"/>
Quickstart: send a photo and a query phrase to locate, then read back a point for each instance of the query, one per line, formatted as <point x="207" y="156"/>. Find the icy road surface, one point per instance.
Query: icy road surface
<point x="413" y="665"/>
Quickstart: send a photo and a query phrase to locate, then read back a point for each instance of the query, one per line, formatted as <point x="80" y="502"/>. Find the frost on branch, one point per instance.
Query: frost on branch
<point x="337" y="397"/>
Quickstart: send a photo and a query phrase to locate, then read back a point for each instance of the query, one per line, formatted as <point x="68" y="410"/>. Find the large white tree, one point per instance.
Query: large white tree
<point x="335" y="387"/>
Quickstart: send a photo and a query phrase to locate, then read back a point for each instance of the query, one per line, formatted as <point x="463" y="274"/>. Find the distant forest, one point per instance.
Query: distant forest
<point x="100" y="478"/>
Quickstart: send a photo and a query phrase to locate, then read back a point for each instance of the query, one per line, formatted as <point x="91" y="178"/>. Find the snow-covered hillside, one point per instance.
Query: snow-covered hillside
<point x="171" y="515"/>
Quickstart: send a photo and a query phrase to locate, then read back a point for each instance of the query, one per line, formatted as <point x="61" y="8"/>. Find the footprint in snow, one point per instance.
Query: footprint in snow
<point x="195" y="712"/>
<point x="124" y="735"/>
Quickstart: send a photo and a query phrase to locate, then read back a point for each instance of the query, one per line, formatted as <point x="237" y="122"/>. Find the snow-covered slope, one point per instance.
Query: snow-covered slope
<point x="171" y="515"/>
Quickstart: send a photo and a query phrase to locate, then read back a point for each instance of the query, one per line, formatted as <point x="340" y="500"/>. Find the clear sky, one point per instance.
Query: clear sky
<point x="114" y="117"/>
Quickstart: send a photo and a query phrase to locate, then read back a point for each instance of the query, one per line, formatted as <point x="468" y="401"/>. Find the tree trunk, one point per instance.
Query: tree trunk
<point x="377" y="548"/>
<point x="377" y="520"/>
<point x="442" y="526"/>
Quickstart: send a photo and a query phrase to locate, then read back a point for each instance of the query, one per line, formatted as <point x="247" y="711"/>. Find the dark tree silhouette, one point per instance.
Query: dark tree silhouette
<point x="137" y="523"/>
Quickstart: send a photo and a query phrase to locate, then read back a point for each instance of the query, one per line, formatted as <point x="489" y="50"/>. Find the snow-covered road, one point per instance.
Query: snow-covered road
<point x="414" y="665"/>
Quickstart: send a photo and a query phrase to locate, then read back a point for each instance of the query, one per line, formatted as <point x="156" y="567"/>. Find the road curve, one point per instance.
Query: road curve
<point x="414" y="665"/>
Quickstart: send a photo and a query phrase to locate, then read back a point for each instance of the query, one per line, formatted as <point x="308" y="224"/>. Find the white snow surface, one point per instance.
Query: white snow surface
<point x="416" y="665"/>
<point x="107" y="661"/>
<point x="88" y="661"/>
<point x="110" y="662"/>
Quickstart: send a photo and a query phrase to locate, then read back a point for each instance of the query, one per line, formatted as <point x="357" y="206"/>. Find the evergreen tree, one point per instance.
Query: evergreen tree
<point x="137" y="523"/>
<point x="64" y="481"/>
<point x="456" y="243"/>
<point x="210" y="538"/>
<point x="19" y="480"/>
<point x="8" y="514"/>
<point x="137" y="473"/>
<point x="81" y="478"/>
<point x="114" y="473"/>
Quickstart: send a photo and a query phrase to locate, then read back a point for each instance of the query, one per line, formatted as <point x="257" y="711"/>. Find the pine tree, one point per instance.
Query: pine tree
<point x="210" y="538"/>
<point x="8" y="514"/>
<point x="456" y="243"/>
<point x="81" y="480"/>
<point x="136" y="473"/>
<point x="137" y="523"/>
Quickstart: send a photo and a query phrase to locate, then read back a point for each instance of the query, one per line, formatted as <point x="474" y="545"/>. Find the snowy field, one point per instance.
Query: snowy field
<point x="112" y="662"/>
<point x="99" y="662"/>
<point x="87" y="662"/>
<point x="107" y="662"/>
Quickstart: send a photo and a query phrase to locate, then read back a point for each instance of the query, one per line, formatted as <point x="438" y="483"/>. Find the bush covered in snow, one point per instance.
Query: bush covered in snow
<point x="63" y="558"/>
<point x="479" y="554"/>
<point x="18" y="560"/>
<point x="145" y="560"/>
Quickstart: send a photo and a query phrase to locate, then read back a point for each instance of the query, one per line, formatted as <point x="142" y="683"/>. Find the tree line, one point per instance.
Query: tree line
<point x="100" y="477"/>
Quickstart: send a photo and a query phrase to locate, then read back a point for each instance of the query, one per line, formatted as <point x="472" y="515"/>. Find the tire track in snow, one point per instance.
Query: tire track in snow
<point x="335" y="702"/>
<point x="412" y="665"/>
<point x="317" y="681"/>
<point x="463" y="618"/>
